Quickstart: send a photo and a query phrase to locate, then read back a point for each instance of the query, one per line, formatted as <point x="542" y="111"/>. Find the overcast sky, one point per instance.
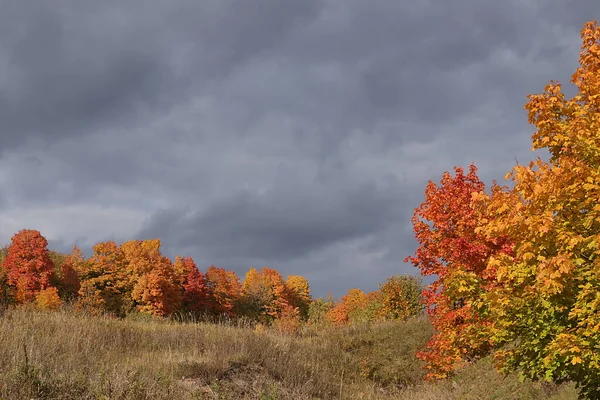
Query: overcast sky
<point x="298" y="135"/>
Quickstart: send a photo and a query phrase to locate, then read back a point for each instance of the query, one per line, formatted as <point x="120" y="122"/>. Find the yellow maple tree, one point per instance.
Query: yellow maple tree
<point x="548" y="294"/>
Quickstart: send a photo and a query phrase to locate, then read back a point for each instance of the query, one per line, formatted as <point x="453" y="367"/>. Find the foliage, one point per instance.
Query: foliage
<point x="352" y="302"/>
<point x="451" y="249"/>
<point x="288" y="321"/>
<point x="400" y="297"/>
<point x="48" y="299"/>
<point x="27" y="265"/>
<point x="67" y="277"/>
<point x="255" y="295"/>
<point x="118" y="279"/>
<point x="224" y="288"/>
<point x="195" y="293"/>
<point x="298" y="294"/>
<point x="546" y="304"/>
<point x="5" y="295"/>
<point x="318" y="311"/>
<point x="3" y="253"/>
<point x="152" y="277"/>
<point x="105" y="285"/>
<point x="58" y="260"/>
<point x="155" y="294"/>
<point x="265" y="296"/>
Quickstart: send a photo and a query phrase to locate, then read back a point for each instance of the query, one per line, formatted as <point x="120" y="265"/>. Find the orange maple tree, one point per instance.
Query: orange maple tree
<point x="27" y="265"/>
<point x="156" y="294"/>
<point x="278" y="291"/>
<point x="224" y="288"/>
<point x="152" y="277"/>
<point x="264" y="294"/>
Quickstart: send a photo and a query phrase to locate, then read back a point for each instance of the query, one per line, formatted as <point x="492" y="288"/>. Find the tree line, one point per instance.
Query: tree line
<point x="136" y="277"/>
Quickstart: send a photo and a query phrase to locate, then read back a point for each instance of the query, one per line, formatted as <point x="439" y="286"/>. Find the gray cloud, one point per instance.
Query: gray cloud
<point x="75" y="67"/>
<point x="298" y="135"/>
<point x="287" y="222"/>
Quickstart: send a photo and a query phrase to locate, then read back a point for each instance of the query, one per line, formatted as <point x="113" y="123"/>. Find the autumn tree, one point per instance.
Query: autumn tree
<point x="5" y="297"/>
<point x="349" y="307"/>
<point x="152" y="277"/>
<point x="58" y="260"/>
<point x="400" y="297"/>
<point x="156" y="294"/>
<point x="194" y="289"/>
<point x="224" y="288"/>
<point x="105" y="284"/>
<point x="3" y="254"/>
<point x="372" y="310"/>
<point x="298" y="294"/>
<point x="48" y="299"/>
<point x="318" y="311"/>
<point x="142" y="257"/>
<point x="27" y="265"/>
<point x="451" y="249"/>
<point x="548" y="296"/>
<point x="254" y="294"/>
<point x="67" y="278"/>
<point x="264" y="295"/>
<point x="78" y="260"/>
<point x="288" y="320"/>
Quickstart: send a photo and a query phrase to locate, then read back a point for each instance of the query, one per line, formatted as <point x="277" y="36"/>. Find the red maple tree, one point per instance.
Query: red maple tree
<point x="195" y="292"/>
<point x="452" y="249"/>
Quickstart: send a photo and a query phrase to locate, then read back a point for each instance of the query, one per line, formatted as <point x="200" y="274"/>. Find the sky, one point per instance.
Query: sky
<point x="298" y="135"/>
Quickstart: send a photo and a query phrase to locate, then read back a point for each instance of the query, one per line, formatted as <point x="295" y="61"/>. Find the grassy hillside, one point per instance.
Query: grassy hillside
<point x="64" y="355"/>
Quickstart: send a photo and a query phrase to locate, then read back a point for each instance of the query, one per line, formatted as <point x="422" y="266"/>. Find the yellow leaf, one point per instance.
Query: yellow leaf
<point x="528" y="256"/>
<point x="575" y="349"/>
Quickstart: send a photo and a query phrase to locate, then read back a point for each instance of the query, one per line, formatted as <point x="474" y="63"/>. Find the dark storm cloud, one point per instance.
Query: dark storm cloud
<point x="283" y="224"/>
<point x="69" y="68"/>
<point x="294" y="134"/>
<point x="61" y="78"/>
<point x="406" y="59"/>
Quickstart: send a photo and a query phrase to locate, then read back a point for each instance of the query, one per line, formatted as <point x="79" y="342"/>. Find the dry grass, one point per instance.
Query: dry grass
<point x="65" y="355"/>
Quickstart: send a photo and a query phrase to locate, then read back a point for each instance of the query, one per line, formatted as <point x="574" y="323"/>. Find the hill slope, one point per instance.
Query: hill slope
<point x="65" y="355"/>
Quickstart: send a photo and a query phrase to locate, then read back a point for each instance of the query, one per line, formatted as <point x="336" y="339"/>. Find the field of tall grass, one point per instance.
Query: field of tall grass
<point x="69" y="355"/>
